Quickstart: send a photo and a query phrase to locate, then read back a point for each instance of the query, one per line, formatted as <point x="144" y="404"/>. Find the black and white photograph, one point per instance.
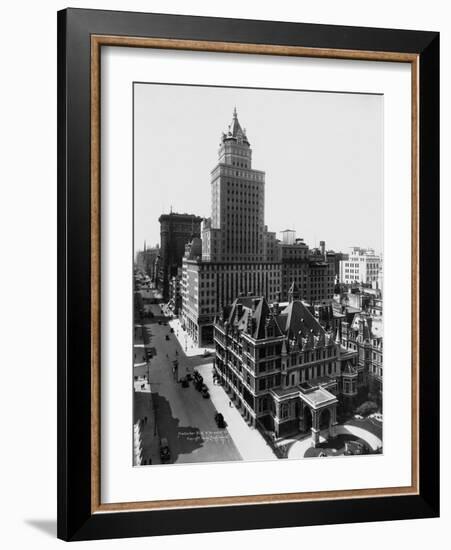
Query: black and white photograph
<point x="258" y="274"/>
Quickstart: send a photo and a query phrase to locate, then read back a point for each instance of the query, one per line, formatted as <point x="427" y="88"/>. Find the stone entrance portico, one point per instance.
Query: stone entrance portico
<point x="305" y="407"/>
<point x="321" y="406"/>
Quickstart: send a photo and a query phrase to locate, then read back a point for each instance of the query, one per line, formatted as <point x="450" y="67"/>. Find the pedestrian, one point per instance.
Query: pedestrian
<point x="230" y="403"/>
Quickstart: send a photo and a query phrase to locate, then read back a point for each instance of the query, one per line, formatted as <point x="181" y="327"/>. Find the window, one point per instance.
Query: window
<point x="284" y="410"/>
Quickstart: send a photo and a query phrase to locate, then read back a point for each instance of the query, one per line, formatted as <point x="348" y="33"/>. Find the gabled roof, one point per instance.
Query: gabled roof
<point x="253" y="315"/>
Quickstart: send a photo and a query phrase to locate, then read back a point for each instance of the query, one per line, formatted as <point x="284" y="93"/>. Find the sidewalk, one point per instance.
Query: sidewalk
<point x="186" y="342"/>
<point x="145" y="428"/>
<point x="139" y="347"/>
<point x="249" y="442"/>
<point x="299" y="447"/>
<point x="146" y="440"/>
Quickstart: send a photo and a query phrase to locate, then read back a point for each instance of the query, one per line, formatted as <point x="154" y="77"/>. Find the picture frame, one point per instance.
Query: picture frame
<point x="81" y="36"/>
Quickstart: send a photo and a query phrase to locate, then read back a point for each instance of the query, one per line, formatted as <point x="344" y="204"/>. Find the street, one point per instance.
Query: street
<point x="183" y="416"/>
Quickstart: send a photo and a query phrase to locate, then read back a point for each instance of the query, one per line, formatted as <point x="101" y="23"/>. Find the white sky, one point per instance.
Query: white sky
<point x="322" y="154"/>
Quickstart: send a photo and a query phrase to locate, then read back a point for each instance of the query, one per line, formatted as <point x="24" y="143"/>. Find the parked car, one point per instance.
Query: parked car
<point x="377" y="416"/>
<point x="206" y="353"/>
<point x="184" y="382"/>
<point x="198" y="380"/>
<point x="167" y="337"/>
<point x="204" y="391"/>
<point x="219" y="419"/>
<point x="358" y="417"/>
<point x="198" y="377"/>
<point x="165" y="453"/>
<point x="172" y="330"/>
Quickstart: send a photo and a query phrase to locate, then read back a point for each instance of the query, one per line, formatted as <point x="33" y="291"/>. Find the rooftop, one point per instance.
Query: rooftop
<point x="318" y="398"/>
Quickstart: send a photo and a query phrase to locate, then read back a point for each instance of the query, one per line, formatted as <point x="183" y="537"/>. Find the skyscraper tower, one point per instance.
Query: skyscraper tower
<point x="237" y="255"/>
<point x="235" y="232"/>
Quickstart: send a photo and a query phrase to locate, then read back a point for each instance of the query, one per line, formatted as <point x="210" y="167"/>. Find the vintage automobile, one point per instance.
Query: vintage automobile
<point x="167" y="337"/>
<point x="197" y="377"/>
<point x="219" y="419"/>
<point x="184" y="382"/>
<point x="165" y="453"/>
<point x="204" y="391"/>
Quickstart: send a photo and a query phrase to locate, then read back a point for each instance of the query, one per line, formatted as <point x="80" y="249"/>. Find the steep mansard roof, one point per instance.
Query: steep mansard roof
<point x="299" y="320"/>
<point x="254" y="316"/>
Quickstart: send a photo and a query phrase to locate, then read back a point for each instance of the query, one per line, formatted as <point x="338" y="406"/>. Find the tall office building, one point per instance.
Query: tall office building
<point x="236" y="230"/>
<point x="237" y="255"/>
<point x="175" y="231"/>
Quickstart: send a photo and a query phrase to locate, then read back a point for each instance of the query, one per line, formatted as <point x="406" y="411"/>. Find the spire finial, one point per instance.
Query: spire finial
<point x="235" y="116"/>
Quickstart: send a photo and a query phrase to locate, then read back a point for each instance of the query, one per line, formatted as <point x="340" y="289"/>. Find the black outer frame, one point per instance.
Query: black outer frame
<point x="75" y="520"/>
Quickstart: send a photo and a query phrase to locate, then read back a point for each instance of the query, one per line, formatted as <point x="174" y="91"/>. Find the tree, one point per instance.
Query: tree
<point x="367" y="408"/>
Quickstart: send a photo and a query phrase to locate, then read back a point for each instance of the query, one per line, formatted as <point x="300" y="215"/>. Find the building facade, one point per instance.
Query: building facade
<point x="175" y="294"/>
<point x="363" y="266"/>
<point x="175" y="231"/>
<point x="146" y="260"/>
<point x="207" y="286"/>
<point x="285" y="373"/>
<point x="362" y="331"/>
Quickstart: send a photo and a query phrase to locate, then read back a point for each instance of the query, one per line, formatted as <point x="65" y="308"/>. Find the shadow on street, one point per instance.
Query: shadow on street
<point x="182" y="439"/>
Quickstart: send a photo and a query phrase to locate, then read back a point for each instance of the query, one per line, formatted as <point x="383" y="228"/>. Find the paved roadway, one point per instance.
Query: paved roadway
<point x="183" y="416"/>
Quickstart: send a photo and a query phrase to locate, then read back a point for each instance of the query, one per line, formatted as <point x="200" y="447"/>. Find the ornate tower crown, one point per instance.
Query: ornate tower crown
<point x="235" y="132"/>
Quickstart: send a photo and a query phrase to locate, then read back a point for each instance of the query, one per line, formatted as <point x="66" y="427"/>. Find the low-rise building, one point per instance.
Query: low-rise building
<point x="363" y="266"/>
